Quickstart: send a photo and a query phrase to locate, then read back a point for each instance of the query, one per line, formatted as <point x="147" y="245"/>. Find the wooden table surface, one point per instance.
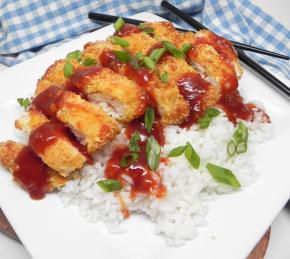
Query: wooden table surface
<point x="258" y="252"/>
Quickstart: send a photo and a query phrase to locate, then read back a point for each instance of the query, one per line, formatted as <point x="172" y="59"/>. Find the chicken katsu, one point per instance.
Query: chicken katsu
<point x="212" y="55"/>
<point x="36" y="182"/>
<point x="82" y="102"/>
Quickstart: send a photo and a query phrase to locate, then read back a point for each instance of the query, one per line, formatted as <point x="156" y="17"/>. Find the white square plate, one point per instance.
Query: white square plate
<point x="236" y="221"/>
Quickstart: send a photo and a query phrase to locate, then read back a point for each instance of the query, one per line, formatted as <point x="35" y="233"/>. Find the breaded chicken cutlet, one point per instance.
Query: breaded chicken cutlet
<point x="121" y="97"/>
<point x="89" y="123"/>
<point x="211" y="55"/>
<point x="102" y="85"/>
<point x="81" y="102"/>
<point x="172" y="106"/>
<point x="10" y="152"/>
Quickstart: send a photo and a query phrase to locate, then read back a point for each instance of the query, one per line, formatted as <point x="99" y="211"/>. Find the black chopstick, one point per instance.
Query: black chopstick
<point x="112" y="18"/>
<point x="275" y="82"/>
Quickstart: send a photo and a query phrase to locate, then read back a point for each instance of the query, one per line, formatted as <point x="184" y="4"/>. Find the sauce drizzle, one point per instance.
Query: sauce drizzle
<point x="109" y="59"/>
<point x="235" y="108"/>
<point x="138" y="125"/>
<point x="81" y="77"/>
<point x="141" y="178"/>
<point x="192" y="87"/>
<point x="31" y="173"/>
<point x="48" y="133"/>
<point x="48" y="101"/>
<point x="127" y="29"/>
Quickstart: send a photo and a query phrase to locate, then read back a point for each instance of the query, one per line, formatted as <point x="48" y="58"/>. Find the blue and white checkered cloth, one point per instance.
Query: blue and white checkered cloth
<point x="28" y="27"/>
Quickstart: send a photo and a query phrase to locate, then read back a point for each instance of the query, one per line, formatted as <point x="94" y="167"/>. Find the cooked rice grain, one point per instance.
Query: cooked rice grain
<point x="183" y="210"/>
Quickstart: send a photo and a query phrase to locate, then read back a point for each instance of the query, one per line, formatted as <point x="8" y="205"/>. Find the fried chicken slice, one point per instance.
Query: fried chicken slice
<point x="172" y="112"/>
<point x="94" y="49"/>
<point x="53" y="143"/>
<point x="220" y="64"/>
<point x="172" y="106"/>
<point x="91" y="125"/>
<point x="169" y="101"/>
<point x="54" y="75"/>
<point x="30" y="120"/>
<point x="119" y="96"/>
<point x="140" y="42"/>
<point x="224" y="47"/>
<point x="9" y="150"/>
<point x="112" y="94"/>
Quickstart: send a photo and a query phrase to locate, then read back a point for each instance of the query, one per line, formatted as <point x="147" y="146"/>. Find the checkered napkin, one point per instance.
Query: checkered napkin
<point x="28" y="27"/>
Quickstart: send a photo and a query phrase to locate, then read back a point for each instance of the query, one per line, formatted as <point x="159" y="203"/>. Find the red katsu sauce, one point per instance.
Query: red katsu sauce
<point x="143" y="179"/>
<point x="264" y="116"/>
<point x="140" y="76"/>
<point x="127" y="29"/>
<point x="158" y="45"/>
<point x="81" y="77"/>
<point x="229" y="80"/>
<point x="48" y="133"/>
<point x="223" y="46"/>
<point x="48" y="101"/>
<point x="138" y="125"/>
<point x="235" y="108"/>
<point x="109" y="59"/>
<point x="192" y="87"/>
<point x="31" y="173"/>
<point x="124" y="210"/>
<point x="220" y="44"/>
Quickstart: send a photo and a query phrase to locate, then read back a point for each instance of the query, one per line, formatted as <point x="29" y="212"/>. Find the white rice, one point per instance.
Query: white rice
<point x="183" y="210"/>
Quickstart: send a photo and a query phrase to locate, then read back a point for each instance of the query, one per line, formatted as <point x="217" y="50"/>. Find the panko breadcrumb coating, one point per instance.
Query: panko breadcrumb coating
<point x="90" y="123"/>
<point x="54" y="75"/>
<point x="124" y="96"/>
<point x="9" y="150"/>
<point x="203" y="56"/>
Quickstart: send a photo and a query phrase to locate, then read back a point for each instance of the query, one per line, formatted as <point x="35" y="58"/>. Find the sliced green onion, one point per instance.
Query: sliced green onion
<point x="242" y="147"/>
<point x="145" y="28"/>
<point x="149" y="119"/>
<point x="24" y="102"/>
<point x="119" y="24"/>
<point x="241" y="133"/>
<point x="231" y="148"/>
<point x="204" y="121"/>
<point x="152" y="153"/>
<point x="68" y="69"/>
<point x="123" y="56"/>
<point x="89" y="62"/>
<point x="207" y="117"/>
<point x="212" y="112"/>
<point x="157" y="54"/>
<point x="164" y="77"/>
<point x="139" y="55"/>
<point x="134" y="62"/>
<point x="178" y="151"/>
<point x="110" y="185"/>
<point x="149" y="63"/>
<point x="133" y="143"/>
<point x="191" y="156"/>
<point x="74" y="55"/>
<point x="240" y="139"/>
<point x="172" y="49"/>
<point x="223" y="175"/>
<point x="186" y="47"/>
<point x="119" y="41"/>
<point x="128" y="159"/>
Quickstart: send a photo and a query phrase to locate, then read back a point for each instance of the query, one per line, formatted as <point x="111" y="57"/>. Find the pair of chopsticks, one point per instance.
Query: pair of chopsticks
<point x="275" y="82"/>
